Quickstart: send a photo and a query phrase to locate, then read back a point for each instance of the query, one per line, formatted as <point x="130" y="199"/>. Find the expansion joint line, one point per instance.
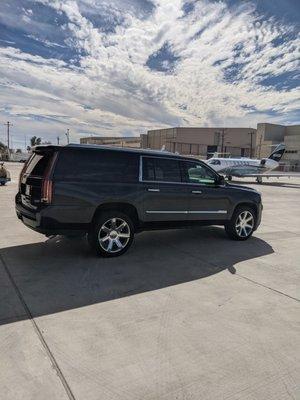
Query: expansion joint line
<point x="39" y="333"/>
<point x="267" y="287"/>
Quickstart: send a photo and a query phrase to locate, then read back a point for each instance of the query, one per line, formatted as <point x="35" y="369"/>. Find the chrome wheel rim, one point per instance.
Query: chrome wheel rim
<point x="114" y="235"/>
<point x="244" y="224"/>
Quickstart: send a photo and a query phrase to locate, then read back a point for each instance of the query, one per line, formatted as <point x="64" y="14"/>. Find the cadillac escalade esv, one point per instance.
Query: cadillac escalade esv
<point x="113" y="193"/>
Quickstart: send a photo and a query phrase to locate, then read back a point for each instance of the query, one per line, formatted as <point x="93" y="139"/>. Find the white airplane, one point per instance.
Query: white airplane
<point x="249" y="167"/>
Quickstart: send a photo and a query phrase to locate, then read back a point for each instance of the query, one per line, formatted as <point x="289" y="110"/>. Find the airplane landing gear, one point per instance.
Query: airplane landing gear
<point x="259" y="179"/>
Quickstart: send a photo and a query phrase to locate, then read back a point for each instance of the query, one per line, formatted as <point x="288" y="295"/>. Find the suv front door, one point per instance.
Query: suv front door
<point x="165" y="197"/>
<point x="207" y="199"/>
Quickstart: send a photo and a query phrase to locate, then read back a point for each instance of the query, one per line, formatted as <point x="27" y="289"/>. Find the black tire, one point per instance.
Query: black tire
<point x="2" y="183"/>
<point x="234" y="227"/>
<point x="115" y="233"/>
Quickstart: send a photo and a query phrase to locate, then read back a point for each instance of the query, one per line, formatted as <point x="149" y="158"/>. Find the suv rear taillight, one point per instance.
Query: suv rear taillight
<point x="47" y="185"/>
<point x="47" y="191"/>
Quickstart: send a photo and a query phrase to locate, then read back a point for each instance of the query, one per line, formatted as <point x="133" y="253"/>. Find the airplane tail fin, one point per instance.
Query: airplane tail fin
<point x="277" y="154"/>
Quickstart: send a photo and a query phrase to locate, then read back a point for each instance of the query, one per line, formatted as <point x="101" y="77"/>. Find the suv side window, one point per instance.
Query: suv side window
<point x="194" y="172"/>
<point x="97" y="165"/>
<point x="161" y="169"/>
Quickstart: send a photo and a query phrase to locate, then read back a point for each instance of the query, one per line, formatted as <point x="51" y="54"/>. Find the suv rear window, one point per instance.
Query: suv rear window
<point x="161" y="169"/>
<point x="100" y="165"/>
<point x="37" y="164"/>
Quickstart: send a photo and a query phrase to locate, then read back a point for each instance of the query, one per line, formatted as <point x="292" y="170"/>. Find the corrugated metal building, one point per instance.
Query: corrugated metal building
<point x="202" y="142"/>
<point x="120" y="141"/>
<point x="236" y="142"/>
<point x="271" y="134"/>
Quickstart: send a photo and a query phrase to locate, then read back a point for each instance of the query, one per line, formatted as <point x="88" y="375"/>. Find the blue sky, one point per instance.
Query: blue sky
<point x="120" y="67"/>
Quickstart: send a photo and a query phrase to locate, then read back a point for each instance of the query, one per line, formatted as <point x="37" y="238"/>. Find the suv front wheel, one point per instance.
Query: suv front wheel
<point x="242" y="223"/>
<point x="112" y="234"/>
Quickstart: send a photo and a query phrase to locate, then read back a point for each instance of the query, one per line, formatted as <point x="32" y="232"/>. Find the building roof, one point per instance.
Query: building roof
<point x="110" y="138"/>
<point x="204" y="128"/>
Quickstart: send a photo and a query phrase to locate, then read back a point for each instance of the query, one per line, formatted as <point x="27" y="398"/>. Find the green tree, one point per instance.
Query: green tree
<point x="3" y="151"/>
<point x="2" y="146"/>
<point x="35" y="141"/>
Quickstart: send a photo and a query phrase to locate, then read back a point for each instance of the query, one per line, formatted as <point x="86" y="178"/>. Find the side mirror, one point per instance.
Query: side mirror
<point x="220" y="180"/>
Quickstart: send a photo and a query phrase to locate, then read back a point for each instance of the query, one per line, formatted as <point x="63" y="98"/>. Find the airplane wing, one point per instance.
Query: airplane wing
<point x="259" y="177"/>
<point x="279" y="175"/>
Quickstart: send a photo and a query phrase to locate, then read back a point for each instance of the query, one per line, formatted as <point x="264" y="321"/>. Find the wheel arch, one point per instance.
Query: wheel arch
<point x="250" y="204"/>
<point x="123" y="207"/>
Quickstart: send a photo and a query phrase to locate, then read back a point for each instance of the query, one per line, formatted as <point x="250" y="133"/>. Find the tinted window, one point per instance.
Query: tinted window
<point x="198" y="173"/>
<point x="38" y="163"/>
<point x="103" y="166"/>
<point x="161" y="169"/>
<point x="148" y="169"/>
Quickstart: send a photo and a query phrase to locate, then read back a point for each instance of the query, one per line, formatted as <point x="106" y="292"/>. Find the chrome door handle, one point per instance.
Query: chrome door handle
<point x="197" y="191"/>
<point x="153" y="190"/>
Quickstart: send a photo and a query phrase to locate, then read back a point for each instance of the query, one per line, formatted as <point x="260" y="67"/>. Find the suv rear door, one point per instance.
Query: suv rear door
<point x="165" y="197"/>
<point x="207" y="199"/>
<point x="33" y="175"/>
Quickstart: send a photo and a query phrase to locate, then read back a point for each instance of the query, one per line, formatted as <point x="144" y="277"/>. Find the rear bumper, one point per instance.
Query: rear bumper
<point x="30" y="219"/>
<point x="45" y="221"/>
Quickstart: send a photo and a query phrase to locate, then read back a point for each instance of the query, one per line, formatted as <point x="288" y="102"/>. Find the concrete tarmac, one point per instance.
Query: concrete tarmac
<point x="185" y="314"/>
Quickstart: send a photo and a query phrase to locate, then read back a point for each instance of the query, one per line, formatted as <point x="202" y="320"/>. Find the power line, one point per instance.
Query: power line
<point x="8" y="125"/>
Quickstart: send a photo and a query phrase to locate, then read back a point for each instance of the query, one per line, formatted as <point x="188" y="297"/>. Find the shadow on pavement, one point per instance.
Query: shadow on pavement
<point x="61" y="274"/>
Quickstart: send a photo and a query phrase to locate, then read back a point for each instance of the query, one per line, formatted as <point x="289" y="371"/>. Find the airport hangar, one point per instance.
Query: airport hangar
<point x="204" y="142"/>
<point x="118" y="141"/>
<point x="234" y="142"/>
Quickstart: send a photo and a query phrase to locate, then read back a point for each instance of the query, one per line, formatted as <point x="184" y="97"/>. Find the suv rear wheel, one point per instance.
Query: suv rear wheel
<point x="112" y="234"/>
<point x="241" y="226"/>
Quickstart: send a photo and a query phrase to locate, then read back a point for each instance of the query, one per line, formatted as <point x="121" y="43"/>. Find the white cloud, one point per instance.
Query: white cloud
<point x="113" y="91"/>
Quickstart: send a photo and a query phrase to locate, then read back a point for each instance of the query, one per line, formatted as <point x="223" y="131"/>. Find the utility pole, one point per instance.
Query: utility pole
<point x="57" y="140"/>
<point x="8" y="125"/>
<point x="68" y="135"/>
<point x="251" y="142"/>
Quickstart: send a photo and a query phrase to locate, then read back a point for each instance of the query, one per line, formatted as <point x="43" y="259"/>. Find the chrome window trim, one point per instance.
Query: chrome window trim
<point x="141" y="170"/>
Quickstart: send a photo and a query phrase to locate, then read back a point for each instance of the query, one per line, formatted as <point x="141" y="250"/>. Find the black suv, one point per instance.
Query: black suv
<point x="112" y="193"/>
